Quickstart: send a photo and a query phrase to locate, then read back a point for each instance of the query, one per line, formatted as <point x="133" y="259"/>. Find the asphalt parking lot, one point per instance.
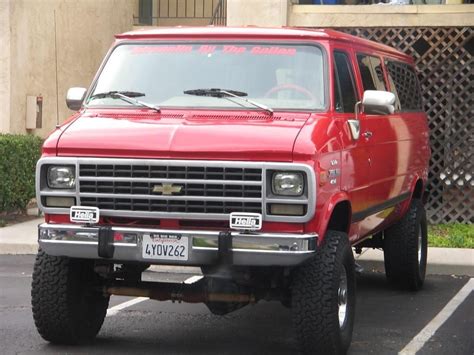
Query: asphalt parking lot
<point x="387" y="320"/>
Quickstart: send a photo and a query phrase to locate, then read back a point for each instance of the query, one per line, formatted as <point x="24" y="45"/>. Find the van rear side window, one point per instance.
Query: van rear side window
<point x="404" y="84"/>
<point x="371" y="72"/>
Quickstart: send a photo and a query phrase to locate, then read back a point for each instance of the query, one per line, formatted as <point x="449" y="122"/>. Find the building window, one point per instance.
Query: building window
<point x="145" y="12"/>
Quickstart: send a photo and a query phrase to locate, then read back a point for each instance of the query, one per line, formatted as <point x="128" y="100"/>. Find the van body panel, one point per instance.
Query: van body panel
<point x="368" y="171"/>
<point x="245" y="152"/>
<point x="177" y="135"/>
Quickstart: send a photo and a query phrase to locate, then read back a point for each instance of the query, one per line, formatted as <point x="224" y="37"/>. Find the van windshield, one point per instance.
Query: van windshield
<point x="279" y="76"/>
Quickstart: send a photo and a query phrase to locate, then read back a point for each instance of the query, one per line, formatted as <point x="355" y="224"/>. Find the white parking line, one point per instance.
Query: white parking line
<point x="115" y="309"/>
<point x="427" y="332"/>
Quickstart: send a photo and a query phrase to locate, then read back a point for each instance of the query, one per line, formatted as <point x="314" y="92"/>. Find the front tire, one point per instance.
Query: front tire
<point x="323" y="298"/>
<point x="67" y="306"/>
<point x="406" y="248"/>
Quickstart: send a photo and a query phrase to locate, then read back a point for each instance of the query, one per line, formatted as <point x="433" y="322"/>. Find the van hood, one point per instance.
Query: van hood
<point x="174" y="135"/>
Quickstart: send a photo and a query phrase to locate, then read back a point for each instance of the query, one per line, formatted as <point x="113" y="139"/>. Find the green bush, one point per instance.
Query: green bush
<point x="18" y="156"/>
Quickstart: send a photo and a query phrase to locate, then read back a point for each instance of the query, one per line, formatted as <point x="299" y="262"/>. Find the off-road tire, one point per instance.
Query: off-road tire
<point x="315" y="296"/>
<point x="402" y="264"/>
<point x="67" y="306"/>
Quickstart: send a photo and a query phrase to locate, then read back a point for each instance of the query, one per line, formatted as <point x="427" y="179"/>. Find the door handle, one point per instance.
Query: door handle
<point x="367" y="134"/>
<point x="354" y="126"/>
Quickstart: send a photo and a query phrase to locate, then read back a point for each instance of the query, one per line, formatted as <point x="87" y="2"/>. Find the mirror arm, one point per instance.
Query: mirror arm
<point x="354" y="124"/>
<point x="357" y="107"/>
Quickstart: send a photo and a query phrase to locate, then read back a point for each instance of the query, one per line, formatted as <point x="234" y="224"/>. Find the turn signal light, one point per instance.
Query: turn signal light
<point x="53" y="201"/>
<point x="287" y="210"/>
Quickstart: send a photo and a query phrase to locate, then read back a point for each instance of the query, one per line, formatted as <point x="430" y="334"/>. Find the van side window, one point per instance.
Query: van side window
<point x="344" y="88"/>
<point x="371" y="72"/>
<point x="404" y="84"/>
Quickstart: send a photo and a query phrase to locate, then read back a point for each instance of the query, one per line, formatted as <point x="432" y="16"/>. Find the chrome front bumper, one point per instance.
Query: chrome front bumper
<point x="252" y="249"/>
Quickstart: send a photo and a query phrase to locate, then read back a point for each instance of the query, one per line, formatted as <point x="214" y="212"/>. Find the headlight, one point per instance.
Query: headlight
<point x="288" y="183"/>
<point x="61" y="177"/>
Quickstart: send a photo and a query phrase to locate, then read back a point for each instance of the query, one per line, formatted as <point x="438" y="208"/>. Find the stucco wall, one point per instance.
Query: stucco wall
<point x="266" y="13"/>
<point x="4" y="66"/>
<point x="84" y="32"/>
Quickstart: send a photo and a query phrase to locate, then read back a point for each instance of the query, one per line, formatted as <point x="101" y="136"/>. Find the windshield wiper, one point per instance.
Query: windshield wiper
<point x="214" y="92"/>
<point x="127" y="96"/>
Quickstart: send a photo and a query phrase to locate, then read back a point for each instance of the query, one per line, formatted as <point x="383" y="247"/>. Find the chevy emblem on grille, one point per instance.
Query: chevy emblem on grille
<point x="245" y="221"/>
<point x="167" y="189"/>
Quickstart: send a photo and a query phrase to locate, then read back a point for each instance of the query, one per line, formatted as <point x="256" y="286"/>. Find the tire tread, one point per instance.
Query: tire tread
<point x="401" y="248"/>
<point x="313" y="301"/>
<point x="59" y="315"/>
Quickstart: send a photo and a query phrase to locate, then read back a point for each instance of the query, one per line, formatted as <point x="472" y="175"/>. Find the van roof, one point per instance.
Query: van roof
<point x="253" y="32"/>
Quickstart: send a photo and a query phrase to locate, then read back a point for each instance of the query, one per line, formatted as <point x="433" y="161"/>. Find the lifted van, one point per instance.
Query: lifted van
<point x="263" y="156"/>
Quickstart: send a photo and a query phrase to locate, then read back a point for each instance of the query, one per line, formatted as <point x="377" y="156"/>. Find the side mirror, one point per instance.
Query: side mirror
<point x="377" y="102"/>
<point x="74" y="98"/>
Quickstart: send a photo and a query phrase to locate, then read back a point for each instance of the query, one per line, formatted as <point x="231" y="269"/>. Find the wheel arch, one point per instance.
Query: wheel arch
<point x="419" y="190"/>
<point x="340" y="219"/>
<point x="337" y="215"/>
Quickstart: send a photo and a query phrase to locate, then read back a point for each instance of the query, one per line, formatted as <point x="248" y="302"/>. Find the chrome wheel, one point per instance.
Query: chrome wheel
<point x="420" y="245"/>
<point x="342" y="298"/>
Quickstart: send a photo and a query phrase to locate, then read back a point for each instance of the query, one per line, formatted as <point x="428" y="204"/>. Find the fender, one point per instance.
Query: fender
<point x="319" y="223"/>
<point x="50" y="144"/>
<point x="415" y="191"/>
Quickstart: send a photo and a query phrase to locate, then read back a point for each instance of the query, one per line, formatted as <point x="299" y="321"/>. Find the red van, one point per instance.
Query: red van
<point x="263" y="156"/>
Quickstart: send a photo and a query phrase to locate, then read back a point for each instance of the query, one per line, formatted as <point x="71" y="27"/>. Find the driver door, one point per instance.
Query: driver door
<point x="355" y="159"/>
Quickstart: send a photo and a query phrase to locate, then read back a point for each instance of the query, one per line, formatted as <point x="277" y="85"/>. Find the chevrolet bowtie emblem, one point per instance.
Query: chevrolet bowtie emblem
<point x="167" y="189"/>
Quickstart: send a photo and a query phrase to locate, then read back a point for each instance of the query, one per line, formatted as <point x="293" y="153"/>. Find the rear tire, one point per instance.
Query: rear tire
<point x="323" y="298"/>
<point x="406" y="248"/>
<point x="68" y="308"/>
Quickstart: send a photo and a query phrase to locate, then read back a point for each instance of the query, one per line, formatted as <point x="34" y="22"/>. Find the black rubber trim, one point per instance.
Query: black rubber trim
<point x="359" y="216"/>
<point x="106" y="242"/>
<point x="225" y="248"/>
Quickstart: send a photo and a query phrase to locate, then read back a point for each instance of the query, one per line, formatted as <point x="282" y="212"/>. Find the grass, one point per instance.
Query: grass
<point x="451" y="235"/>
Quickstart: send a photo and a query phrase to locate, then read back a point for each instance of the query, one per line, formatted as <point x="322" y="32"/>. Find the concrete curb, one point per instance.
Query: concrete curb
<point x="18" y="249"/>
<point x="22" y="239"/>
<point x="441" y="261"/>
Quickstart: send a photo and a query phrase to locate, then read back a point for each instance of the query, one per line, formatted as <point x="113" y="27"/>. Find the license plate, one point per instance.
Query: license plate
<point x="164" y="246"/>
<point x="80" y="214"/>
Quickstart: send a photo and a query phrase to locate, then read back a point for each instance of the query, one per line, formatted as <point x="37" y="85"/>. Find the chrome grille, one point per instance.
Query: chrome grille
<point x="171" y="206"/>
<point x="144" y="188"/>
<point x="171" y="172"/>
<point x="199" y="189"/>
<point x="178" y="189"/>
